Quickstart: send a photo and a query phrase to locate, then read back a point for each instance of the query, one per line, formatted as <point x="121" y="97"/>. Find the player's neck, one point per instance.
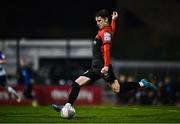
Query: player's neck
<point x="106" y="25"/>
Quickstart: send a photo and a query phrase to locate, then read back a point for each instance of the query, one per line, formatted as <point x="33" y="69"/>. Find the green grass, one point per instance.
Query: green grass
<point x="92" y="114"/>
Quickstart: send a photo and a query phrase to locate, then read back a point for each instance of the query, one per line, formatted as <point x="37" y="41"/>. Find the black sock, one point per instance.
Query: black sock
<point x="74" y="93"/>
<point x="127" y="86"/>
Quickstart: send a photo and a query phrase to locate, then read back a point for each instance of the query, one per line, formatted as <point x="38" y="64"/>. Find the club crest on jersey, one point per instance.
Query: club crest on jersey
<point x="107" y="36"/>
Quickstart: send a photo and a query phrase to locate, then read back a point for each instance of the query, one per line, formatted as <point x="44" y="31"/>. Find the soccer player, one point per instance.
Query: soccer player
<point x="3" y="78"/>
<point x="101" y="66"/>
<point x="26" y="75"/>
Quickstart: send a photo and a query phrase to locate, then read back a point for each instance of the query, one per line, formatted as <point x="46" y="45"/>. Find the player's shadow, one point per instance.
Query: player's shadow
<point x="86" y="117"/>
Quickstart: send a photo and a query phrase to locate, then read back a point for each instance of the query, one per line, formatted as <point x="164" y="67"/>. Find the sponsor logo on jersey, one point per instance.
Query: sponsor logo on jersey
<point x="107" y="37"/>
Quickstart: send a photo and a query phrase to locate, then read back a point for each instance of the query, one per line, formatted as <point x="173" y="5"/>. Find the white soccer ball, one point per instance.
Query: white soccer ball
<point x="68" y="113"/>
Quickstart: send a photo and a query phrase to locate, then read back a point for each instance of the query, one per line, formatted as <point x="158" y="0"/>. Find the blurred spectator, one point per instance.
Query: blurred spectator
<point x="64" y="74"/>
<point x="26" y="77"/>
<point x="56" y="74"/>
<point x="168" y="92"/>
<point x="177" y="88"/>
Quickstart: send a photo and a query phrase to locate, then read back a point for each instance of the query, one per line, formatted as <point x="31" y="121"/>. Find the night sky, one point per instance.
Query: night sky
<point x="50" y="18"/>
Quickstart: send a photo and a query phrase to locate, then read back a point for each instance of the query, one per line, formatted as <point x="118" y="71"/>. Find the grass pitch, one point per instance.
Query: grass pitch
<point x="92" y="114"/>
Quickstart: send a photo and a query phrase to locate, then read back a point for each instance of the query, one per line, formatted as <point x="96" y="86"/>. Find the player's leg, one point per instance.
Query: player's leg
<point x="90" y="75"/>
<point x="82" y="80"/>
<point x="8" y="88"/>
<point x="12" y="91"/>
<point x="28" y="93"/>
<point x="117" y="86"/>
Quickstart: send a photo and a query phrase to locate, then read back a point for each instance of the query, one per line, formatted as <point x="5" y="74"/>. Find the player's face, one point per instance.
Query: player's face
<point x="101" y="22"/>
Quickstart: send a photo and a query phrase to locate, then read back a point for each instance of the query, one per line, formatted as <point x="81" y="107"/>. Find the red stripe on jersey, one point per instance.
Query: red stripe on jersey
<point x="113" y="26"/>
<point x="106" y="54"/>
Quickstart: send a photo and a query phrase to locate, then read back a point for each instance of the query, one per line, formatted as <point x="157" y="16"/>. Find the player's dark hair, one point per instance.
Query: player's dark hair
<point x="103" y="13"/>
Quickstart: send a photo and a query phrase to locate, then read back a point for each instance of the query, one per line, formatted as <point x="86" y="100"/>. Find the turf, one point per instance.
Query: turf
<point x="92" y="114"/>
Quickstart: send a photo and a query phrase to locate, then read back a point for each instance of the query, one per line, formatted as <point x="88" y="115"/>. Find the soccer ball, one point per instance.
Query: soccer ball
<point x="68" y="113"/>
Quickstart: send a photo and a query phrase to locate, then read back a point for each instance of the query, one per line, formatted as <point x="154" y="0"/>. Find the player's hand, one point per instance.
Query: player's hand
<point x="114" y="15"/>
<point x="104" y="70"/>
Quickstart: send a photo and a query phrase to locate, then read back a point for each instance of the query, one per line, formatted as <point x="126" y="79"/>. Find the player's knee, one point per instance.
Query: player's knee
<point x="82" y="80"/>
<point x="78" y="82"/>
<point x="115" y="87"/>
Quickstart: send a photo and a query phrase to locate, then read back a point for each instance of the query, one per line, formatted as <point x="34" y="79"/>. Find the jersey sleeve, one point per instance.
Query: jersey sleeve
<point x="106" y="48"/>
<point x="113" y="26"/>
<point x="107" y="40"/>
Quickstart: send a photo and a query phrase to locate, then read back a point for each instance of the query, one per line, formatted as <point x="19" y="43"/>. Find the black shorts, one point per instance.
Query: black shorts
<point x="95" y="74"/>
<point x="3" y="80"/>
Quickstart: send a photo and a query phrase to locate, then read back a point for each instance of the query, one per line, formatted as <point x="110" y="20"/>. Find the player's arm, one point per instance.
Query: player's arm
<point x="113" y="23"/>
<point x="106" y="47"/>
<point x="106" y="54"/>
<point x="105" y="69"/>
